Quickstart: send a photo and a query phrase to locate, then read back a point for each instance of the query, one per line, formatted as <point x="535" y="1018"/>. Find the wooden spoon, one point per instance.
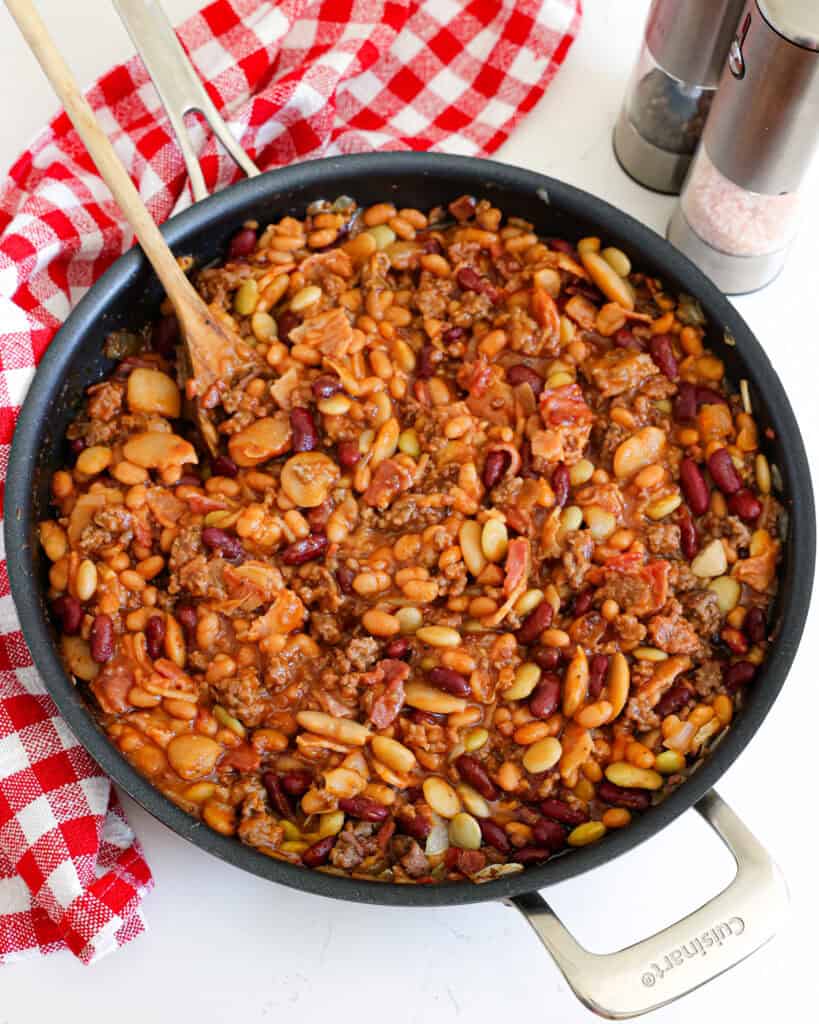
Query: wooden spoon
<point x="215" y="356"/>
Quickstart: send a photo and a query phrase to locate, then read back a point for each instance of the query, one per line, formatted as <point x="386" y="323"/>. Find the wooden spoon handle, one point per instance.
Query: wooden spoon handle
<point x="108" y="163"/>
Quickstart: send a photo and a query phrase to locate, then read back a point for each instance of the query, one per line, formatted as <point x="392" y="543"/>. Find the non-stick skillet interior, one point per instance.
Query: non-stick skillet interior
<point x="129" y="295"/>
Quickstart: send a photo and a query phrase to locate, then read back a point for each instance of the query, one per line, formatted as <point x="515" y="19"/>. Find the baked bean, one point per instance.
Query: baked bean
<point x="412" y="581"/>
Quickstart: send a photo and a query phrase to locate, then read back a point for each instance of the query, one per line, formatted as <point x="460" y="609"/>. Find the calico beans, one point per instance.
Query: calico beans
<point x="483" y="565"/>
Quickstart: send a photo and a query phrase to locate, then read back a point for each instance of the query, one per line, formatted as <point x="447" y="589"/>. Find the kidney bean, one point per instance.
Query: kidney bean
<point x="319" y="853"/>
<point x="694" y="487"/>
<point x="598" y="669"/>
<point x="535" y="623"/>
<point x="317" y="517"/>
<point x="218" y="540"/>
<point x="101" y="639"/>
<point x="563" y="813"/>
<point x="672" y="700"/>
<point x="624" y="338"/>
<point x="185" y="614"/>
<point x="165" y="335"/>
<point x="468" y="279"/>
<point x="531" y="855"/>
<point x="325" y="386"/>
<point x="497" y="462"/>
<point x="296" y="783"/>
<point x="723" y="471"/>
<point x="745" y="505"/>
<point x="449" y="337"/>
<point x="735" y="676"/>
<point x="77" y="446"/>
<point x="418" y="825"/>
<point x="583" y="601"/>
<point x="689" y="540"/>
<point x="547" y="657"/>
<point x="348" y="454"/>
<point x="308" y="549"/>
<point x="621" y="796"/>
<point x="685" y="403"/>
<point x="432" y="245"/>
<point x="400" y="649"/>
<point x="305" y="432"/>
<point x="426" y="363"/>
<point x="708" y="396"/>
<point x="663" y="355"/>
<point x="550" y="834"/>
<point x="449" y="681"/>
<point x="276" y="795"/>
<point x="561" y="245"/>
<point x="493" y="835"/>
<point x="755" y="625"/>
<point x="560" y="484"/>
<point x="473" y="772"/>
<point x="363" y="808"/>
<point x="223" y="465"/>
<point x="344" y="578"/>
<point x="155" y="636"/>
<point x="242" y="244"/>
<point x="545" y="698"/>
<point x="522" y="374"/>
<point x="285" y="322"/>
<point x="69" y="611"/>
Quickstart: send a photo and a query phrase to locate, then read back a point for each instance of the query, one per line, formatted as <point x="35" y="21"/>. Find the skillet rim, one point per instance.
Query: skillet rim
<point x="475" y="174"/>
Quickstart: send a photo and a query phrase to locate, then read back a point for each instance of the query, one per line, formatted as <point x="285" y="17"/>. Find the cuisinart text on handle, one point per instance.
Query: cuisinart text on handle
<point x="698" y="946"/>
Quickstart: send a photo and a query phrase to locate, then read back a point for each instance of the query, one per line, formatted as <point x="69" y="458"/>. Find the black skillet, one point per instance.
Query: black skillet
<point x="652" y="972"/>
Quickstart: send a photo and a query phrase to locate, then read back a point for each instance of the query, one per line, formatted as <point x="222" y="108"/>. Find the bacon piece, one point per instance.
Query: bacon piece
<point x="390" y="696"/>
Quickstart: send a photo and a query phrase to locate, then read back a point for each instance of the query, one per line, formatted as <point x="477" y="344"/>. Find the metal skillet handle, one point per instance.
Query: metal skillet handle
<point x="685" y="955"/>
<point x="178" y="85"/>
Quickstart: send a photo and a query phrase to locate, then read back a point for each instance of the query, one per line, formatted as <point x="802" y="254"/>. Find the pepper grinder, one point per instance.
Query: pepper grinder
<point x="739" y="209"/>
<point x="671" y="88"/>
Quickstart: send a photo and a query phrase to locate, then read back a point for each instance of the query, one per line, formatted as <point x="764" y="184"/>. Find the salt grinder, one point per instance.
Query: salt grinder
<point x="739" y="209"/>
<point x="671" y="88"/>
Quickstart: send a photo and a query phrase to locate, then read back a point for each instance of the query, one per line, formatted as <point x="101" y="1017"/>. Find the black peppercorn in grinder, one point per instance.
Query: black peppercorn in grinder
<point x="671" y="88"/>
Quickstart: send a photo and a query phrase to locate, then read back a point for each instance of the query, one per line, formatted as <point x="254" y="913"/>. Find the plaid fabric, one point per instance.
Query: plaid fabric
<point x="296" y="79"/>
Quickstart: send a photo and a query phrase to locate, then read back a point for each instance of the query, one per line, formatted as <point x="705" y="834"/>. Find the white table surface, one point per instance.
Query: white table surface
<point x="223" y="946"/>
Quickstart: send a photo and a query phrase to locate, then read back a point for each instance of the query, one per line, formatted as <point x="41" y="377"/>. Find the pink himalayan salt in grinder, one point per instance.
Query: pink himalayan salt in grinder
<point x="739" y="208"/>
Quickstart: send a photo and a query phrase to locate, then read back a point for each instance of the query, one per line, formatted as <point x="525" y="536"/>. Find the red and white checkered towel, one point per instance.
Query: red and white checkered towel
<point x="295" y="79"/>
